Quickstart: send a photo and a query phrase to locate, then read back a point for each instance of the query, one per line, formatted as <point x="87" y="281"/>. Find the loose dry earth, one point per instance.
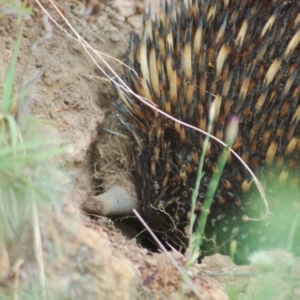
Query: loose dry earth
<point x="89" y="258"/>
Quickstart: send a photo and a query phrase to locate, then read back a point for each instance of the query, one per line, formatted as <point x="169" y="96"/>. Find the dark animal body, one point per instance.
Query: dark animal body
<point x="243" y="56"/>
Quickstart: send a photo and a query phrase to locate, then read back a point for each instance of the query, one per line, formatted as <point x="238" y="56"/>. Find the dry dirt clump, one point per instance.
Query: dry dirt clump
<point x="79" y="262"/>
<point x="84" y="257"/>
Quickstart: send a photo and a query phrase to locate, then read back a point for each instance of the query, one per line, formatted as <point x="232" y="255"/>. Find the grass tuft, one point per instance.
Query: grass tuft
<point x="28" y="181"/>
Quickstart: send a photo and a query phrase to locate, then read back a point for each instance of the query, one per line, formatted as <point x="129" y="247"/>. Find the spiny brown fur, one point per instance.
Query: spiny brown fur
<point x="243" y="56"/>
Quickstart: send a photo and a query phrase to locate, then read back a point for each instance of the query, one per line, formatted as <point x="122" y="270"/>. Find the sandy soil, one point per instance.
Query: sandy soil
<point x="95" y="260"/>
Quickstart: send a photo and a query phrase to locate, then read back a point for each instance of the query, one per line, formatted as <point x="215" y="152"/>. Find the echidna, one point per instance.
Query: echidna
<point x="243" y="56"/>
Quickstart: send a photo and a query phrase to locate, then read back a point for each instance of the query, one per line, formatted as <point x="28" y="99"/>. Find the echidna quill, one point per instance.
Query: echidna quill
<point x="242" y="56"/>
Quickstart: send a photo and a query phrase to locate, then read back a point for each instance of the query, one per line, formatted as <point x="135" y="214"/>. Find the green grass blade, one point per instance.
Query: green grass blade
<point x="13" y="132"/>
<point x="9" y="81"/>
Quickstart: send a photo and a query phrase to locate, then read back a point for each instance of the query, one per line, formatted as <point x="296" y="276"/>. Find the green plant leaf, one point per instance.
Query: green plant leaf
<point x="9" y="81"/>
